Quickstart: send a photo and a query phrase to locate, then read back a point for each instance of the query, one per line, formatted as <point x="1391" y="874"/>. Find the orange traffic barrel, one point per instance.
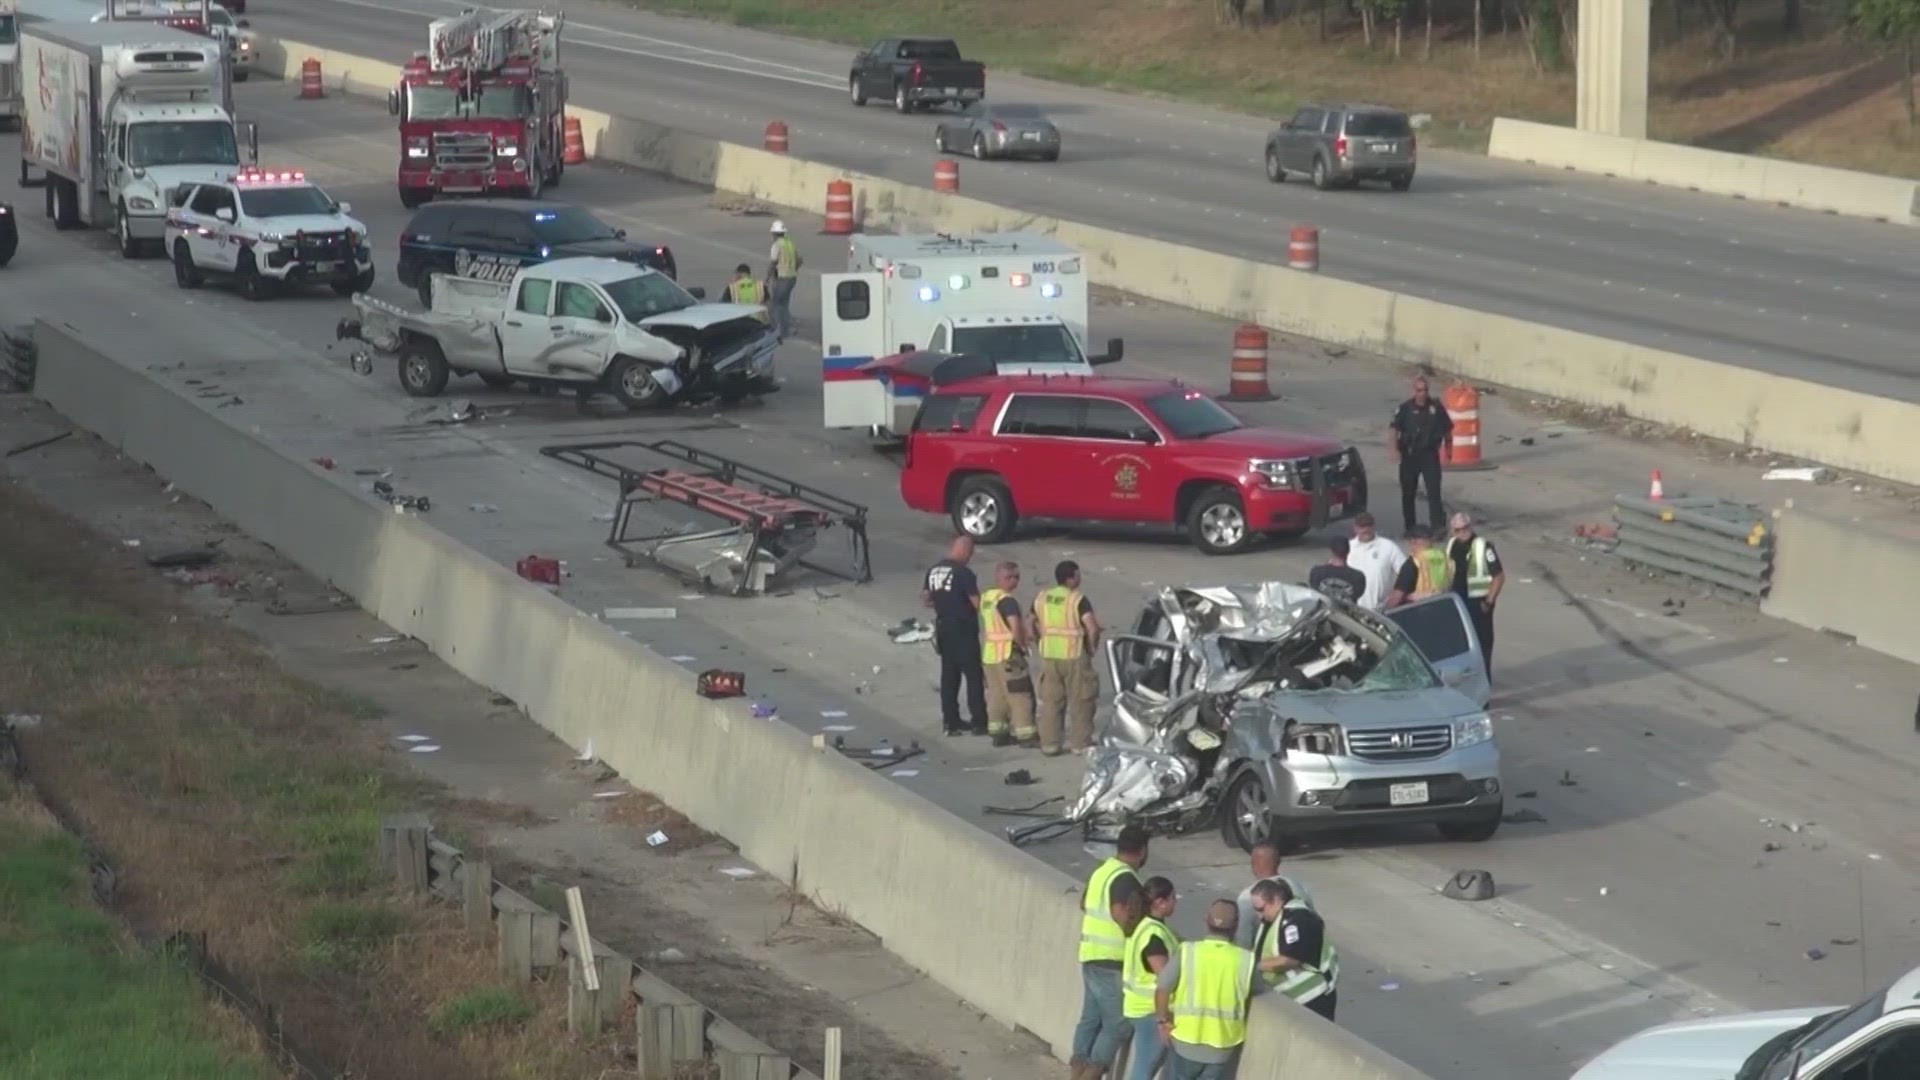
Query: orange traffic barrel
<point x="1247" y="374"/>
<point x="1462" y="402"/>
<point x="310" y="78"/>
<point x="776" y="141"/>
<point x="946" y="175"/>
<point x="1303" y="248"/>
<point x="576" y="152"/>
<point x="839" y="207"/>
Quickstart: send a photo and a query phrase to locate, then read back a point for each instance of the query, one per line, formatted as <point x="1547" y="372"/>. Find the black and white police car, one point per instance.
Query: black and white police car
<point x="266" y="229"/>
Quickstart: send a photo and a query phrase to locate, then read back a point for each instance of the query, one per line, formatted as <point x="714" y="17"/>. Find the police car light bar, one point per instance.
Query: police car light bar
<point x="252" y="175"/>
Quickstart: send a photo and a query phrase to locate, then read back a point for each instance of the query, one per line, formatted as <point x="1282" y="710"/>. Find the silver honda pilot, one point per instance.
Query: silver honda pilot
<point x="1341" y="145"/>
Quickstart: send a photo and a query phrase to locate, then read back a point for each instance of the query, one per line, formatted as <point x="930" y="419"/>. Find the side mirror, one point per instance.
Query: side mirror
<point x="253" y="141"/>
<point x="1148" y="437"/>
<point x="243" y="24"/>
<point x="602" y="315"/>
<point x="619" y="234"/>
<point x="1116" y="348"/>
<point x="225" y="214"/>
<point x="698" y="292"/>
<point x="906" y="346"/>
<point x="393" y="102"/>
<point x="345" y="207"/>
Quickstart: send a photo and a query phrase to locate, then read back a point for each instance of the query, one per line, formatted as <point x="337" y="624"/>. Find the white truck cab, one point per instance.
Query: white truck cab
<point x="1020" y="300"/>
<point x="266" y="228"/>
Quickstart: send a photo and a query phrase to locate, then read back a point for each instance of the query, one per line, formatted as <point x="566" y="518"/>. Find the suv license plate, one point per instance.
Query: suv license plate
<point x="1383" y="148"/>
<point x="1407" y="794"/>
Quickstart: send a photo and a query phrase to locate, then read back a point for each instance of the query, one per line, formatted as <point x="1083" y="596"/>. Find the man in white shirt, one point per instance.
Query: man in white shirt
<point x="1378" y="558"/>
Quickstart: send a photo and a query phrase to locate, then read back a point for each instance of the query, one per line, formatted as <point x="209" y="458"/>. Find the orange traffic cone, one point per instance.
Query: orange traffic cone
<point x="1656" y="492"/>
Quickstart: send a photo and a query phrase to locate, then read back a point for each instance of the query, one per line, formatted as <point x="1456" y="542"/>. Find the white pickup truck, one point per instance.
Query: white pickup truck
<point x="585" y="324"/>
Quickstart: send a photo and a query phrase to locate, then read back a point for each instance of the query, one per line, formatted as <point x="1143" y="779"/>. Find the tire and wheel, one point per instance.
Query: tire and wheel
<point x="979" y="148"/>
<point x="1246" y="815"/>
<point x="855" y="94"/>
<point x="253" y="284"/>
<point x="185" y="274"/>
<point x="123" y="234"/>
<point x="1275" y="172"/>
<point x="423" y="368"/>
<point x="1402" y="181"/>
<point x="1218" y="522"/>
<point x="940" y="139"/>
<point x="426" y="289"/>
<point x="1051" y="155"/>
<point x="983" y="509"/>
<point x="1474" y="830"/>
<point x="360" y="284"/>
<point x="411" y="199"/>
<point x="1322" y="177"/>
<point x="9" y="243"/>
<point x="497" y="382"/>
<point x="632" y="383"/>
<point x="901" y="102"/>
<point x="63" y="198"/>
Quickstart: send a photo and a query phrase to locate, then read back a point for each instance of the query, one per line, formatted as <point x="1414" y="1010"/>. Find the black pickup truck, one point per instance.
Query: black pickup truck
<point x="916" y="72"/>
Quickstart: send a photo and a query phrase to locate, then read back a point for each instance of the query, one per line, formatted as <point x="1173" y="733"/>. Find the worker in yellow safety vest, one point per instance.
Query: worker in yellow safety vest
<point x="1069" y="689"/>
<point x="1478" y="578"/>
<point x="1428" y="571"/>
<point x="1149" y="950"/>
<point x="743" y="289"/>
<point x="1296" y="958"/>
<point x="1004" y="640"/>
<point x="783" y="272"/>
<point x="1106" y="912"/>
<point x="1202" y="997"/>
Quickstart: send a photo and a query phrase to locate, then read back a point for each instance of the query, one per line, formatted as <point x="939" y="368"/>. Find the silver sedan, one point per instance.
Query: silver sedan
<point x="999" y="131"/>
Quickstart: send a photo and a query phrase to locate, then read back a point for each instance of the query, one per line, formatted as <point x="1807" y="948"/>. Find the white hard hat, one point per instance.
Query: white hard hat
<point x="779" y="227"/>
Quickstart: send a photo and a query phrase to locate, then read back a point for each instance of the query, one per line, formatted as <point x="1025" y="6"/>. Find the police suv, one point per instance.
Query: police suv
<point x="266" y="229"/>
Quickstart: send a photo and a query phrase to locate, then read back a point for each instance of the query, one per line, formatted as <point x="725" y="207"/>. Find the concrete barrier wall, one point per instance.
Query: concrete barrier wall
<point x="1789" y="183"/>
<point x="856" y="842"/>
<point x="1838" y="427"/>
<point x="1874" y="608"/>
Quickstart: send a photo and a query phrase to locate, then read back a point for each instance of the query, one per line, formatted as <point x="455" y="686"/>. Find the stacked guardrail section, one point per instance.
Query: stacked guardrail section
<point x="1724" y="545"/>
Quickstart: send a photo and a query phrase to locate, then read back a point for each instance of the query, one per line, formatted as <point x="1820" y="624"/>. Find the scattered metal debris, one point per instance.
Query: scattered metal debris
<point x="38" y="443"/>
<point x="880" y="756"/>
<point x="1020" y="778"/>
<point x="385" y="493"/>
<point x="909" y="631"/>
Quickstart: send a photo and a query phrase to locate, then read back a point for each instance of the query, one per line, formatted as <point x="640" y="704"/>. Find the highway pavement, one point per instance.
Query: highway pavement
<point x="1793" y="292"/>
<point x="1662" y="746"/>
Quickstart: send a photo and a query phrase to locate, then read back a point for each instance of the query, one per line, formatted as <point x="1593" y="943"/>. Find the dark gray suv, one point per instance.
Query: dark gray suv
<point x="1341" y="145"/>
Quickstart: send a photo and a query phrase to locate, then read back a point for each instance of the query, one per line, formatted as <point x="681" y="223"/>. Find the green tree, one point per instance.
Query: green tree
<point x="1893" y="24"/>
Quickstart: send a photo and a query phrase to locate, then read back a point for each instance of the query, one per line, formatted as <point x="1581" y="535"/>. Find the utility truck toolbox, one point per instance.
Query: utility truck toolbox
<point x="1019" y="301"/>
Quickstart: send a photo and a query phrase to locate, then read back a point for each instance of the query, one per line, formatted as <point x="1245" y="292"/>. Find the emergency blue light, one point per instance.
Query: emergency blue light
<point x="928" y="294"/>
<point x="1050" y="290"/>
<point x="545" y="215"/>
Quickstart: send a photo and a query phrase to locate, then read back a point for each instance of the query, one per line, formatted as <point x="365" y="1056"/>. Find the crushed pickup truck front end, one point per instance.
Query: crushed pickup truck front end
<point x="728" y="349"/>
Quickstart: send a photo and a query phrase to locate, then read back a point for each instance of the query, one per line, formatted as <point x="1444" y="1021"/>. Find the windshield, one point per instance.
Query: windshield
<point x="1190" y="414"/>
<point x="1403" y="668"/>
<point x="1041" y="344"/>
<point x="446" y="103"/>
<point x="569" y="225"/>
<point x="432" y="103"/>
<point x="181" y="142"/>
<point x="1816" y="1038"/>
<point x="648" y="295"/>
<point x="502" y="103"/>
<point x="286" y="202"/>
<point x="9" y="35"/>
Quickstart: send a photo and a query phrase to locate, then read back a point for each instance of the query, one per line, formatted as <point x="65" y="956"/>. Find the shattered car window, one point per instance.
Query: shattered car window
<point x="1402" y="668"/>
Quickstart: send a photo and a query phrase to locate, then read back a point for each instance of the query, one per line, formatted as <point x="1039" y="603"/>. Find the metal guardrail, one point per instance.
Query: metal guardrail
<point x="1713" y="542"/>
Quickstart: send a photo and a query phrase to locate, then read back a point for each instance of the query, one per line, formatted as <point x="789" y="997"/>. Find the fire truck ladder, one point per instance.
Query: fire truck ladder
<point x="771" y="522"/>
<point x="486" y="40"/>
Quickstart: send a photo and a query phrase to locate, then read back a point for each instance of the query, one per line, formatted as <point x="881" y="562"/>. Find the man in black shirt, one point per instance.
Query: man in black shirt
<point x="953" y="592"/>
<point x="1335" y="578"/>
<point x="1420" y="428"/>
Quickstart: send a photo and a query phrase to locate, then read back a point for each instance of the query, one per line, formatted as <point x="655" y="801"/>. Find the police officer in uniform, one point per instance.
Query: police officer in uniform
<point x="1202" y="999"/>
<point x="1004" y="641"/>
<point x="1478" y="577"/>
<point x="1295" y="957"/>
<point x="1420" y="428"/>
<point x="1069" y="689"/>
<point x="953" y="593"/>
<point x="1149" y="950"/>
<point x="1111" y="887"/>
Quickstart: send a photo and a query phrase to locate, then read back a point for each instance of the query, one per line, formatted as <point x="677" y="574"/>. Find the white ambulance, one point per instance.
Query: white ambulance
<point x="1016" y="299"/>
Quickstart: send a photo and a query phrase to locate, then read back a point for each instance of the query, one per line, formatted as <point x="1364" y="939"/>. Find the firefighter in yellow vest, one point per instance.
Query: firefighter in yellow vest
<point x="1150" y="949"/>
<point x="1108" y="900"/>
<point x="1296" y="958"/>
<point x="1201" y="999"/>
<point x="1428" y="571"/>
<point x="743" y="289"/>
<point x="1068" y="632"/>
<point x="1004" y="647"/>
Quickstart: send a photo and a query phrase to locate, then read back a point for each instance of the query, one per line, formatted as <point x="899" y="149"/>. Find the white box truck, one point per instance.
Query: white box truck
<point x="1016" y="299"/>
<point x="123" y="113"/>
<point x="9" y="62"/>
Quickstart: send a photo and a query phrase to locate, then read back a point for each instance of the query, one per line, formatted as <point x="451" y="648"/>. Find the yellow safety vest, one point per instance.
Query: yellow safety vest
<point x="1137" y="980"/>
<point x="996" y="634"/>
<point x="1061" y="636"/>
<point x="1100" y="937"/>
<point x="1304" y="984"/>
<point x="1479" y="581"/>
<point x="1210" y="1004"/>
<point x="1435" y="569"/>
<point x="746" y="291"/>
<point x="788" y="264"/>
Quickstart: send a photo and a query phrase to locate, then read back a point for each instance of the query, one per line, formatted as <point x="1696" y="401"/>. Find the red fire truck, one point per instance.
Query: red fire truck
<point x="483" y="110"/>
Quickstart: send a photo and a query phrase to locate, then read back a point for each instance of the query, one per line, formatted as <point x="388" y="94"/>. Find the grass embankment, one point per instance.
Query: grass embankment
<point x="80" y="1001"/>
<point x="237" y="801"/>
<point x="1812" y="95"/>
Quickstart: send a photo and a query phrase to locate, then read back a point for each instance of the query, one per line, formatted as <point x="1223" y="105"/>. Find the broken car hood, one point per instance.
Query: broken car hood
<point x="700" y="316"/>
<point x="1377" y="709"/>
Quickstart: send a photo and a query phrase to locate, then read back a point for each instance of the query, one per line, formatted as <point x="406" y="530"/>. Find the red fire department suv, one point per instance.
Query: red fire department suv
<point x="993" y="450"/>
